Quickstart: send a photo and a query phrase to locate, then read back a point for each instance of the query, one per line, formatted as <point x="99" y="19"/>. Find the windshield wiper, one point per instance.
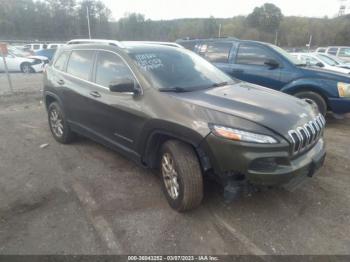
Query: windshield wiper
<point x="176" y="89"/>
<point x="220" y="84"/>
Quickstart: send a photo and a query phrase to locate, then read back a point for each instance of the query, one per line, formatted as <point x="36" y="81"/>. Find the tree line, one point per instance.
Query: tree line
<point x="67" y="19"/>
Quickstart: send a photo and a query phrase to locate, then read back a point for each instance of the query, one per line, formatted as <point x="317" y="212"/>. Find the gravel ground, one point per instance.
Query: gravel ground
<point x="85" y="199"/>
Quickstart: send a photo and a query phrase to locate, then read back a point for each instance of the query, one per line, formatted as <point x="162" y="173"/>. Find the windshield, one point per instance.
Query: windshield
<point x="287" y="55"/>
<point x="327" y="60"/>
<point x="178" y="69"/>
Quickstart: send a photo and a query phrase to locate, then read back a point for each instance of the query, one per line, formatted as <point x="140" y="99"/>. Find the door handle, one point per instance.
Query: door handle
<point x="237" y="71"/>
<point x="60" y="82"/>
<point x="95" y="94"/>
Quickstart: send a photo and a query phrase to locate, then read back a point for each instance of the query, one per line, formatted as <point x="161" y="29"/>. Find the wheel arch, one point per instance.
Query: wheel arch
<point x="307" y="88"/>
<point x="156" y="138"/>
<point x="50" y="97"/>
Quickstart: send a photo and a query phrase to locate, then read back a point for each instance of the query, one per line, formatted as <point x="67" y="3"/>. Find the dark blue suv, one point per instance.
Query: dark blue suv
<point x="270" y="66"/>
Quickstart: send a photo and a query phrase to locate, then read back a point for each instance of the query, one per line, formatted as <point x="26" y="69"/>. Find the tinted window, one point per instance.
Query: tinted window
<point x="80" y="63"/>
<point x="110" y="67"/>
<point x="252" y="55"/>
<point x="188" y="45"/>
<point x="218" y="52"/>
<point x="332" y="51"/>
<point x="36" y="47"/>
<point x="53" y="46"/>
<point x="61" y="61"/>
<point x="344" y="52"/>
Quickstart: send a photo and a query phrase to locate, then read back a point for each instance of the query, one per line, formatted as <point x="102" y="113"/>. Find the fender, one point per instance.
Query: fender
<point x="324" y="87"/>
<point x="158" y="131"/>
<point x="48" y="94"/>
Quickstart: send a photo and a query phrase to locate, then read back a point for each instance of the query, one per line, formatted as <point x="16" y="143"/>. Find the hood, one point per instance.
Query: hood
<point x="37" y="57"/>
<point x="274" y="110"/>
<point x="325" y="74"/>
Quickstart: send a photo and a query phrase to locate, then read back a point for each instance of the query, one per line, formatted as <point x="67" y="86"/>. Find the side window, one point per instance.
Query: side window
<point x="110" y="67"/>
<point x="345" y="52"/>
<point x="252" y="55"/>
<point x="188" y="45"/>
<point x="80" y="63"/>
<point x="332" y="51"/>
<point x="61" y="61"/>
<point x="36" y="47"/>
<point x="218" y="52"/>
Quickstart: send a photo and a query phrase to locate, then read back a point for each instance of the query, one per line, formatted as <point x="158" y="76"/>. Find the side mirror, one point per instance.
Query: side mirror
<point x="272" y="63"/>
<point x="319" y="64"/>
<point x="123" y="85"/>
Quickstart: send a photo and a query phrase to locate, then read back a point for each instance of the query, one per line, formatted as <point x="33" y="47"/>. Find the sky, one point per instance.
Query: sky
<point x="171" y="9"/>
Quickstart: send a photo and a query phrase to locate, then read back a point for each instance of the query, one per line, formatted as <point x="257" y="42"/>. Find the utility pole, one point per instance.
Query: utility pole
<point x="276" y="37"/>
<point x="219" y="30"/>
<point x="309" y="44"/>
<point x="4" y="53"/>
<point x="88" y="20"/>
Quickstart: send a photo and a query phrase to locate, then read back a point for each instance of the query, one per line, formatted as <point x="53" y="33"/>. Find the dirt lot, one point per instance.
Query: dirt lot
<point x="85" y="199"/>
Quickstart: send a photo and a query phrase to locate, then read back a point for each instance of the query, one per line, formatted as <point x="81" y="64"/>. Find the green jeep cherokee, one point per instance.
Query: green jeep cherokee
<point x="166" y="107"/>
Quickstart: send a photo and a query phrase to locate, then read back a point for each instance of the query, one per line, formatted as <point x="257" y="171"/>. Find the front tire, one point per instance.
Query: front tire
<point x="58" y="124"/>
<point x="181" y="174"/>
<point x="314" y="98"/>
<point x="26" y="68"/>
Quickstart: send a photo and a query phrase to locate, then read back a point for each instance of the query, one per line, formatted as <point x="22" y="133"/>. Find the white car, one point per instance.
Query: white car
<point x="336" y="61"/>
<point x="315" y="59"/>
<point x="17" y="62"/>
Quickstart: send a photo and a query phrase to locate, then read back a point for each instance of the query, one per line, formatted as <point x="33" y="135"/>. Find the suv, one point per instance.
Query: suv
<point x="166" y="107"/>
<point x="270" y="66"/>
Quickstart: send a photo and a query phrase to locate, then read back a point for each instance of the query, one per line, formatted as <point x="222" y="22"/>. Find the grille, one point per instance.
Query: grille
<point x="305" y="136"/>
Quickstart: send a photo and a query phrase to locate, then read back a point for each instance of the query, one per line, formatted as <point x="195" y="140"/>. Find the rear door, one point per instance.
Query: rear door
<point x="76" y="85"/>
<point x="249" y="65"/>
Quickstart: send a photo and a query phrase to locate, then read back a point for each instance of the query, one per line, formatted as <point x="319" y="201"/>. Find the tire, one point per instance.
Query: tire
<point x="314" y="98"/>
<point x="187" y="172"/>
<point x="26" y="68"/>
<point x="58" y="124"/>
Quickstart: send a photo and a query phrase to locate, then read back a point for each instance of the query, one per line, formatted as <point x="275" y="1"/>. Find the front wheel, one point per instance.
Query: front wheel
<point x="315" y="100"/>
<point x="26" y="68"/>
<point x="182" y="179"/>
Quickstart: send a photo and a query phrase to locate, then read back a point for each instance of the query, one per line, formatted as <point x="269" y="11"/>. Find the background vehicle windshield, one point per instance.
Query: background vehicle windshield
<point x="327" y="60"/>
<point x="178" y="68"/>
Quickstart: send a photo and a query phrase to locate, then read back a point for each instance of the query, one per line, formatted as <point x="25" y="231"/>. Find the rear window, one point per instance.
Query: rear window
<point x="61" y="61"/>
<point x="218" y="52"/>
<point x="80" y="63"/>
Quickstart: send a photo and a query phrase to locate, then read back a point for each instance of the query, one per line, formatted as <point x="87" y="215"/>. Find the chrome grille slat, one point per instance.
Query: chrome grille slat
<point x="305" y="136"/>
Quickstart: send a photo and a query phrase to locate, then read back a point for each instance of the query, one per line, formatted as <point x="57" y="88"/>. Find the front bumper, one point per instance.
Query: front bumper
<point x="339" y="105"/>
<point x="38" y="67"/>
<point x="229" y="158"/>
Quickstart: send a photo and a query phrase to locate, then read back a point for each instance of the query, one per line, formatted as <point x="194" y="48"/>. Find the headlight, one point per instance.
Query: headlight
<point x="343" y="89"/>
<point x="240" y="135"/>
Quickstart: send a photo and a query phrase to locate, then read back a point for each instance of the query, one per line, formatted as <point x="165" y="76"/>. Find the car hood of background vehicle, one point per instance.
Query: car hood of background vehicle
<point x="274" y="110"/>
<point x="37" y="57"/>
<point x="325" y="74"/>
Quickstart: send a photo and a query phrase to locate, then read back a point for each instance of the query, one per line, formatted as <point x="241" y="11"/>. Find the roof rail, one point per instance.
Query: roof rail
<point x="155" y="43"/>
<point x="95" y="41"/>
<point x="210" y="38"/>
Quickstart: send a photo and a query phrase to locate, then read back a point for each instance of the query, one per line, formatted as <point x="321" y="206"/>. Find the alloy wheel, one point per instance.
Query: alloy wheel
<point x="170" y="176"/>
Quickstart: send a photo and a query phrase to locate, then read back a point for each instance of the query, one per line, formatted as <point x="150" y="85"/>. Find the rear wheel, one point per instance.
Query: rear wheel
<point x="58" y="124"/>
<point x="181" y="174"/>
<point x="315" y="100"/>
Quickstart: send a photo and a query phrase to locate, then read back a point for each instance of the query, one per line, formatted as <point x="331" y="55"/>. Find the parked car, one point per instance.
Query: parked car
<point x="18" y="61"/>
<point x="39" y="46"/>
<point x="270" y="66"/>
<point x="343" y="52"/>
<point x="315" y="59"/>
<point x="49" y="53"/>
<point x="335" y="60"/>
<point x="321" y="50"/>
<point x="167" y="107"/>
